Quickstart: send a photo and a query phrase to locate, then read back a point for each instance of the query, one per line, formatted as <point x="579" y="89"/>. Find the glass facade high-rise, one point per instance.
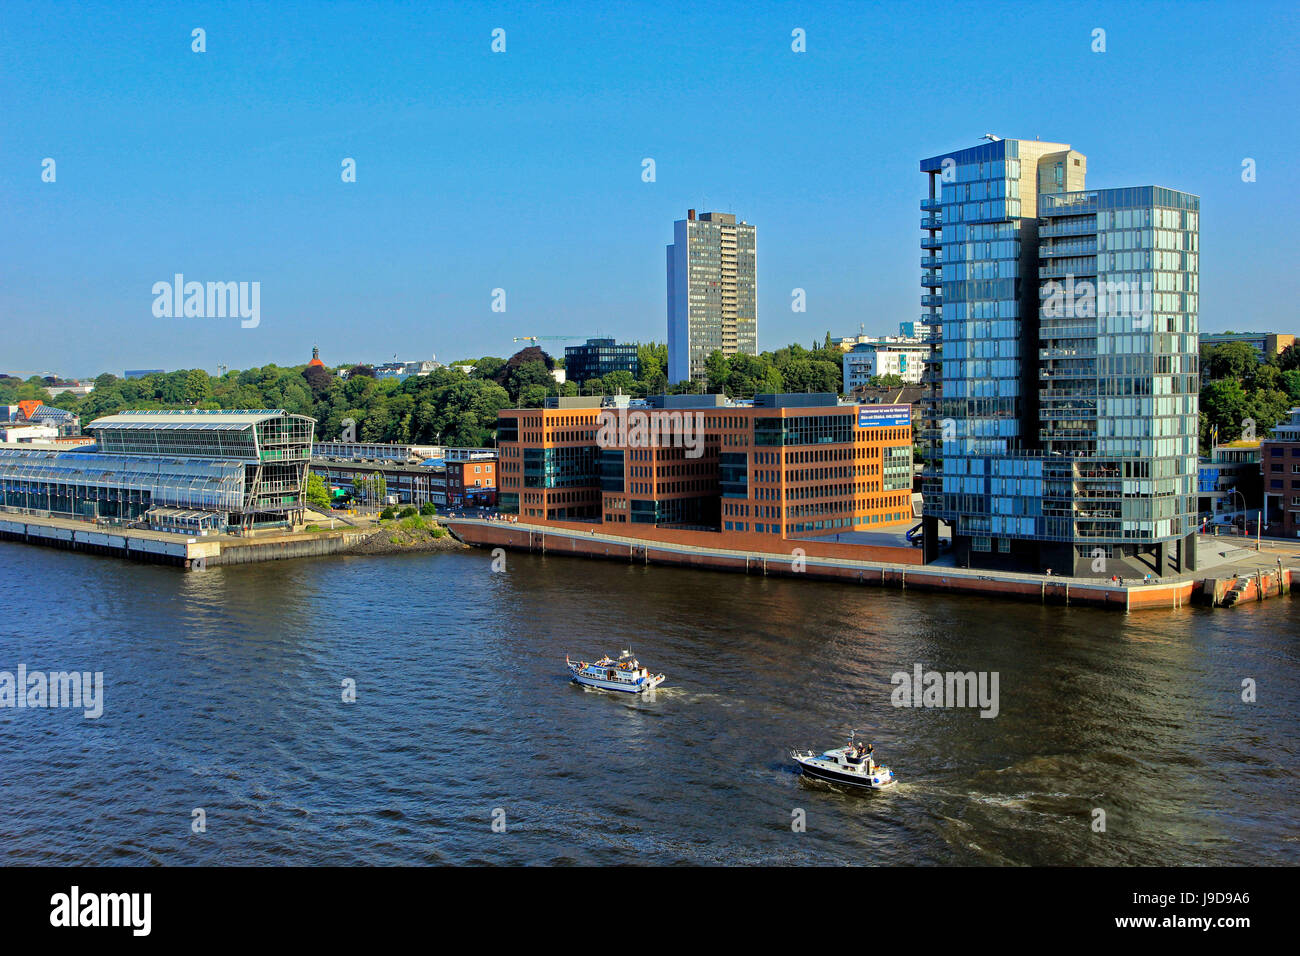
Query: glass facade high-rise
<point x="1119" y="279"/>
<point x="712" y="292"/>
<point x="1017" y="446"/>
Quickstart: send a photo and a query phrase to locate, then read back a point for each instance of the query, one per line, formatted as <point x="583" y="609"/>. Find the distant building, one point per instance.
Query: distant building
<point x="36" y="412"/>
<point x="15" y="434"/>
<point x="1280" y="461"/>
<point x="404" y="370"/>
<point x="472" y="484"/>
<point x="408" y="482"/>
<point x="413" y="474"/>
<point x="1265" y="343"/>
<point x="80" y="389"/>
<point x="888" y="355"/>
<point x="712" y="292"/>
<point x="598" y="358"/>
<point x="387" y="451"/>
<point x="142" y="372"/>
<point x="1228" y="481"/>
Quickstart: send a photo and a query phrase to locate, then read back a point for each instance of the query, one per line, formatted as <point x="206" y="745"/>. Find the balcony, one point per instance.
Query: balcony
<point x="931" y="262"/>
<point x="931" y="280"/>
<point x="930" y="205"/>
<point x="1064" y="353"/>
<point x="1056" y="271"/>
<point x="932" y="222"/>
<point x="931" y="242"/>
<point x="935" y="300"/>
<point x="1049" y="250"/>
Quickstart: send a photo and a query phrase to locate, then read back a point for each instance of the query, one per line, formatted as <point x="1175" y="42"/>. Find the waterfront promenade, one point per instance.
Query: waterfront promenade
<point x="1267" y="574"/>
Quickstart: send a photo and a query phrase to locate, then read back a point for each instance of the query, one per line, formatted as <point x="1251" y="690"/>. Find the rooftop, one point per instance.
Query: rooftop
<point x="233" y="420"/>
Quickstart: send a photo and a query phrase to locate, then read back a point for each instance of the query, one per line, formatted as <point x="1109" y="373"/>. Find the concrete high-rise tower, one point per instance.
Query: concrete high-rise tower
<point x="712" y="292"/>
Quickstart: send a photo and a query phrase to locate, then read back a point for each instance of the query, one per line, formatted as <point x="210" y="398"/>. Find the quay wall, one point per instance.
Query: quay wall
<point x="900" y="568"/>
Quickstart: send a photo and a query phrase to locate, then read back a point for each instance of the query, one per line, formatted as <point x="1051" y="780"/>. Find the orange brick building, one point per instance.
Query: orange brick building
<point x="787" y="466"/>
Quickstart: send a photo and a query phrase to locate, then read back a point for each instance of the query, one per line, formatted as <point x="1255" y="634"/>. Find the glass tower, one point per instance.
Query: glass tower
<point x="1118" y="341"/>
<point x="1060" y="408"/>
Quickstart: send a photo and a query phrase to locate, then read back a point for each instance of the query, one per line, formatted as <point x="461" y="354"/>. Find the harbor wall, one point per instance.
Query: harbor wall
<point x="157" y="547"/>
<point x="901" y="567"/>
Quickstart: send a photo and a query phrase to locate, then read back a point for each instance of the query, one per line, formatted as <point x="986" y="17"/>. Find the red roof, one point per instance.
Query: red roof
<point x="30" y="406"/>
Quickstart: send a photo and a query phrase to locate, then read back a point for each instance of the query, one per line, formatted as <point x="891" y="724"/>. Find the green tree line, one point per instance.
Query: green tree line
<point x="1238" y="390"/>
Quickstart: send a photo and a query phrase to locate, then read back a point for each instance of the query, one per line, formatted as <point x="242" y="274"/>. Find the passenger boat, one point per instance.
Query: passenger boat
<point x="853" y="766"/>
<point x="625" y="674"/>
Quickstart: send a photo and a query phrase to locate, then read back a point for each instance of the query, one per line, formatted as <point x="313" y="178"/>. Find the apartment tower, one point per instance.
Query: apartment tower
<point x="712" y="292"/>
<point x="1045" y="447"/>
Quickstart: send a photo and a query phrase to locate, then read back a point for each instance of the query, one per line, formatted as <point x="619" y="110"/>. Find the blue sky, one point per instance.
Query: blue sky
<point x="522" y="170"/>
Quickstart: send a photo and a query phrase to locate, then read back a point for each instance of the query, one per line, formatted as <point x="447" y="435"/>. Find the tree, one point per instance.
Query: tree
<point x="319" y="380"/>
<point x="886" y="381"/>
<point x="318" y="495"/>
<point x="1231" y="360"/>
<point x="1223" y="405"/>
<point x="370" y="488"/>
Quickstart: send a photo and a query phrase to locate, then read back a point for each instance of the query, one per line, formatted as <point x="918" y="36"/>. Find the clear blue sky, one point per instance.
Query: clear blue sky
<point x="522" y="170"/>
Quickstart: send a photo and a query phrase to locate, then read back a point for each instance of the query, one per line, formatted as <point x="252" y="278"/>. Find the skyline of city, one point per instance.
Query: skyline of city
<point x="829" y="185"/>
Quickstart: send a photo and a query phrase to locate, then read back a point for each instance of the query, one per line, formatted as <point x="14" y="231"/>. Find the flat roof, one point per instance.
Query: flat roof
<point x="236" y="420"/>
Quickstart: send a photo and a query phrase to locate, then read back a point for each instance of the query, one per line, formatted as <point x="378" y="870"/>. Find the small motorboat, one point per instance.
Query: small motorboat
<point x="625" y="674"/>
<point x="853" y="766"/>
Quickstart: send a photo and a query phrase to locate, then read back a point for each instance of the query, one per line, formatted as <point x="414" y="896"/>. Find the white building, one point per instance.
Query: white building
<point x="903" y="355"/>
<point x="26" y="433"/>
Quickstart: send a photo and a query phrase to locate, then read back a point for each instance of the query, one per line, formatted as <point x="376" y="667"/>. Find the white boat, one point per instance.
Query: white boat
<point x="853" y="766"/>
<point x="625" y="674"/>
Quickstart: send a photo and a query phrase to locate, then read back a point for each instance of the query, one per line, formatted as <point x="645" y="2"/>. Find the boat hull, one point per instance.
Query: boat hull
<point x="622" y="687"/>
<point x="829" y="775"/>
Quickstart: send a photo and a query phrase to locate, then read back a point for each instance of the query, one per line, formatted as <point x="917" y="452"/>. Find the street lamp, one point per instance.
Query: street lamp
<point x="1243" y="509"/>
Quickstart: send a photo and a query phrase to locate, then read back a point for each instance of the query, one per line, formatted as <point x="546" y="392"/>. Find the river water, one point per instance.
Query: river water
<point x="223" y="694"/>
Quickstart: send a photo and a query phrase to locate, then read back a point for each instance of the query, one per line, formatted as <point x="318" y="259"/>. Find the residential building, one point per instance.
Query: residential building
<point x="1058" y="434"/>
<point x="712" y="292"/>
<point x="472" y="483"/>
<point x="598" y="358"/>
<point x="904" y="355"/>
<point x="1280" y="461"/>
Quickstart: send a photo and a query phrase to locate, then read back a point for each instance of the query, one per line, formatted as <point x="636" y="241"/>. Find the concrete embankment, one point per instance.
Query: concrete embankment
<point x="198" y="553"/>
<point x="839" y="562"/>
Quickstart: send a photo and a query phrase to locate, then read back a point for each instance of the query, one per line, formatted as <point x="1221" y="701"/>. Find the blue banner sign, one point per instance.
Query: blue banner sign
<point x="884" y="416"/>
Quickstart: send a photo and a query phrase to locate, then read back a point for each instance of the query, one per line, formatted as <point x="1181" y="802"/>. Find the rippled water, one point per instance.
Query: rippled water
<point x="223" y="692"/>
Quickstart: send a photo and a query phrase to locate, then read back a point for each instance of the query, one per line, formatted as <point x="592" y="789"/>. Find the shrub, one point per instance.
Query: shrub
<point x="407" y="512"/>
<point x="387" y="513"/>
<point x="428" y="509"/>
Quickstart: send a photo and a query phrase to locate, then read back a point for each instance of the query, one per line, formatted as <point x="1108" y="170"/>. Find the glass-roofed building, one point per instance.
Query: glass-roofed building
<point x="180" y="470"/>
